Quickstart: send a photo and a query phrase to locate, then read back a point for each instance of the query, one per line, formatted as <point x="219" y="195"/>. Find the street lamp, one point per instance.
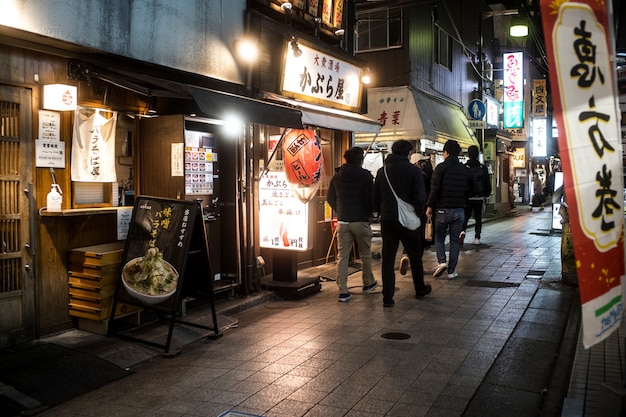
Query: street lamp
<point x="518" y="28"/>
<point x="517" y="32"/>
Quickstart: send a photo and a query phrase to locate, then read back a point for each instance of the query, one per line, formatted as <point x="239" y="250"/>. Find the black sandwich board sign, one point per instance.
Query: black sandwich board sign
<point x="165" y="259"/>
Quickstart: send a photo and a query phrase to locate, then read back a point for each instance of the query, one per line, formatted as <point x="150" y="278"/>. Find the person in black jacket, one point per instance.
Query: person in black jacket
<point x="475" y="201"/>
<point x="350" y="196"/>
<point x="408" y="183"/>
<point x="450" y="182"/>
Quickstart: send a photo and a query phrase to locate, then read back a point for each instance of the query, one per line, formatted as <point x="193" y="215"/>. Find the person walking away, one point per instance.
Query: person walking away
<point x="350" y="196"/>
<point x="424" y="164"/>
<point x="538" y="199"/>
<point x="450" y="183"/>
<point x="408" y="183"/>
<point x="475" y="202"/>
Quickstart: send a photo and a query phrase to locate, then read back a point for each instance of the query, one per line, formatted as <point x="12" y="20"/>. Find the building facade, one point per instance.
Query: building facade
<point x="163" y="81"/>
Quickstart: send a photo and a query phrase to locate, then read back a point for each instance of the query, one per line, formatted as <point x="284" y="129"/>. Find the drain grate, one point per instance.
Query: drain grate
<point x="490" y="284"/>
<point x="395" y="336"/>
<point x="535" y="274"/>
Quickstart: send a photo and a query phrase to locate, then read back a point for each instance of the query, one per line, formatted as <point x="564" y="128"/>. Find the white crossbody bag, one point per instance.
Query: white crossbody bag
<point x="406" y="212"/>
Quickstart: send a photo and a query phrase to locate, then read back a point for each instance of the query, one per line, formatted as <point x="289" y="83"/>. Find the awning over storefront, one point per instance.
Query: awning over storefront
<point x="330" y="118"/>
<point x="409" y="114"/>
<point x="222" y="105"/>
<point x="181" y="95"/>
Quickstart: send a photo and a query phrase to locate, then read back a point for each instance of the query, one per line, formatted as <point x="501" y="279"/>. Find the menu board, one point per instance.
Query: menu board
<point x="166" y="238"/>
<point x="199" y="171"/>
<point x="284" y="218"/>
<point x="161" y="235"/>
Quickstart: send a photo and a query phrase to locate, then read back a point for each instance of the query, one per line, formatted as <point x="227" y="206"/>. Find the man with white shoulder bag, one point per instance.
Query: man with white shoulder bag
<point x="446" y="205"/>
<point x="399" y="179"/>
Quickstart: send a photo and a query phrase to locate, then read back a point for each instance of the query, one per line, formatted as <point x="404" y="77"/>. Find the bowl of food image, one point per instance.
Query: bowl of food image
<point x="150" y="278"/>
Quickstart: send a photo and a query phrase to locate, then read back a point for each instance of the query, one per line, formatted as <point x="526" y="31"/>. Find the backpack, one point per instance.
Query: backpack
<point x="479" y="173"/>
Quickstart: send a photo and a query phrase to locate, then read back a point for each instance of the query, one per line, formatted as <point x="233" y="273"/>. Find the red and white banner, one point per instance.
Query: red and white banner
<point x="581" y="56"/>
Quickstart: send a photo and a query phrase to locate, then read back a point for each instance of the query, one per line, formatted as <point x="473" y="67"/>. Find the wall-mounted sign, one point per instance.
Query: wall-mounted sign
<point x="59" y="97"/>
<point x="49" y="153"/>
<point x="539" y="98"/>
<point x="283" y="217"/>
<point x="540" y="137"/>
<point x="49" y="125"/>
<point x="317" y="76"/>
<point x="519" y="158"/>
<point x="493" y="111"/>
<point x="513" y="90"/>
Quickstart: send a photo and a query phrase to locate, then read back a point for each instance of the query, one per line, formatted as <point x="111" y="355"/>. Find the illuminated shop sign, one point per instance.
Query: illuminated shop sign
<point x="513" y="90"/>
<point x="316" y="76"/>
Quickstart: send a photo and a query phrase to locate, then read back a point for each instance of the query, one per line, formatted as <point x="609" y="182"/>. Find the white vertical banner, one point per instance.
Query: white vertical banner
<point x="93" y="146"/>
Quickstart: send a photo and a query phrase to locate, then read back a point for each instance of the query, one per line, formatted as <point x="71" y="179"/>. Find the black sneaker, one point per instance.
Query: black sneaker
<point x="345" y="297"/>
<point x="424" y="291"/>
<point x="388" y="303"/>
<point x="370" y="288"/>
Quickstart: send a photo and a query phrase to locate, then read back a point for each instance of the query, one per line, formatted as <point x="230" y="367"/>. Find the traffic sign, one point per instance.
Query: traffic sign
<point x="476" y="110"/>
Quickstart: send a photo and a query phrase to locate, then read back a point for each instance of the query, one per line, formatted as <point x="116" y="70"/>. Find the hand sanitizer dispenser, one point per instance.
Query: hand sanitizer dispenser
<point x="55" y="198"/>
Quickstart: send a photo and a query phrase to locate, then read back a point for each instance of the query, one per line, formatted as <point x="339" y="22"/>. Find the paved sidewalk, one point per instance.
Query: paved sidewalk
<point x="487" y="343"/>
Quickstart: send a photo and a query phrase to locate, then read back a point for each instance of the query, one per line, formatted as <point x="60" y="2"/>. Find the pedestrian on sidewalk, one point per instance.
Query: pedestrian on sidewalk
<point x="446" y="203"/>
<point x="408" y="183"/>
<point x="475" y="201"/>
<point x="424" y="164"/>
<point x="350" y="196"/>
<point x="538" y="199"/>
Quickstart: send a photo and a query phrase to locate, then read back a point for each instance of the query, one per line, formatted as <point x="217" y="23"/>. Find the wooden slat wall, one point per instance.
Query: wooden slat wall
<point x="55" y="235"/>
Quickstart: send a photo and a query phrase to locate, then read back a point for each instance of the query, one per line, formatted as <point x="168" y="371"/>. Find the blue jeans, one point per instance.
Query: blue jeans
<point x="448" y="220"/>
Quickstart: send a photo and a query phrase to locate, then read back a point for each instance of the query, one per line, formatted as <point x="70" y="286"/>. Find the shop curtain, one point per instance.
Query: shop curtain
<point x="93" y="146"/>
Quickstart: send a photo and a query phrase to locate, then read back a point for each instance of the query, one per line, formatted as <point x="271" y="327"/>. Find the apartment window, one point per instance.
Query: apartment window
<point x="379" y="30"/>
<point x="443" y="48"/>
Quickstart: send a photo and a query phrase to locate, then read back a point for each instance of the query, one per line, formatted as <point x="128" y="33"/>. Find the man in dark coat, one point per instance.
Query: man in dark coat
<point x="350" y="196"/>
<point x="475" y="202"/>
<point x="408" y="183"/>
<point x="446" y="203"/>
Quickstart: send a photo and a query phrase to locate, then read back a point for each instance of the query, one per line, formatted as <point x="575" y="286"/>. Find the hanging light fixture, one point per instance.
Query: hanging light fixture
<point x="519" y="27"/>
<point x="295" y="48"/>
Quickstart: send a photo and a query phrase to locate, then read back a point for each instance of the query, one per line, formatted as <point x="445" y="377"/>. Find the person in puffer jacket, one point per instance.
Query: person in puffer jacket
<point x="350" y="196"/>
<point x="408" y="183"/>
<point x="450" y="183"/>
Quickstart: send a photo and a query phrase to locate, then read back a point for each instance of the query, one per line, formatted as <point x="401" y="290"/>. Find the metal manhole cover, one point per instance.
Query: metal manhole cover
<point x="396" y="336"/>
<point x="490" y="284"/>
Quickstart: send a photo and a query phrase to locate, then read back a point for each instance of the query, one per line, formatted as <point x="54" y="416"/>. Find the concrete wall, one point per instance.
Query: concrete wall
<point x="191" y="35"/>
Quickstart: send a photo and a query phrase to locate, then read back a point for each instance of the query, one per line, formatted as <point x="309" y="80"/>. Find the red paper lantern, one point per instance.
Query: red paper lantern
<point x="302" y="154"/>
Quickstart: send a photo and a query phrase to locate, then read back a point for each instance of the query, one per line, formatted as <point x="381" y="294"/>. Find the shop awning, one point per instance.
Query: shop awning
<point x="409" y="114"/>
<point x="330" y="118"/>
<point x="222" y="105"/>
<point x="181" y="95"/>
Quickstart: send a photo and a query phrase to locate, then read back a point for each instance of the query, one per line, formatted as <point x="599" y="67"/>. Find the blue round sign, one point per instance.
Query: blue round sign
<point x="476" y="110"/>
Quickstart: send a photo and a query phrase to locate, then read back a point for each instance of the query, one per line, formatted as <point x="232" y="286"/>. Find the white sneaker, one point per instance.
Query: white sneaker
<point x="452" y="275"/>
<point x="439" y="270"/>
<point x="477" y="242"/>
<point x="404" y="264"/>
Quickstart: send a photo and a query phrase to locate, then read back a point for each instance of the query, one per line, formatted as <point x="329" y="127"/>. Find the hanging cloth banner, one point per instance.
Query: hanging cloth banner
<point x="93" y="146"/>
<point x="579" y="38"/>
